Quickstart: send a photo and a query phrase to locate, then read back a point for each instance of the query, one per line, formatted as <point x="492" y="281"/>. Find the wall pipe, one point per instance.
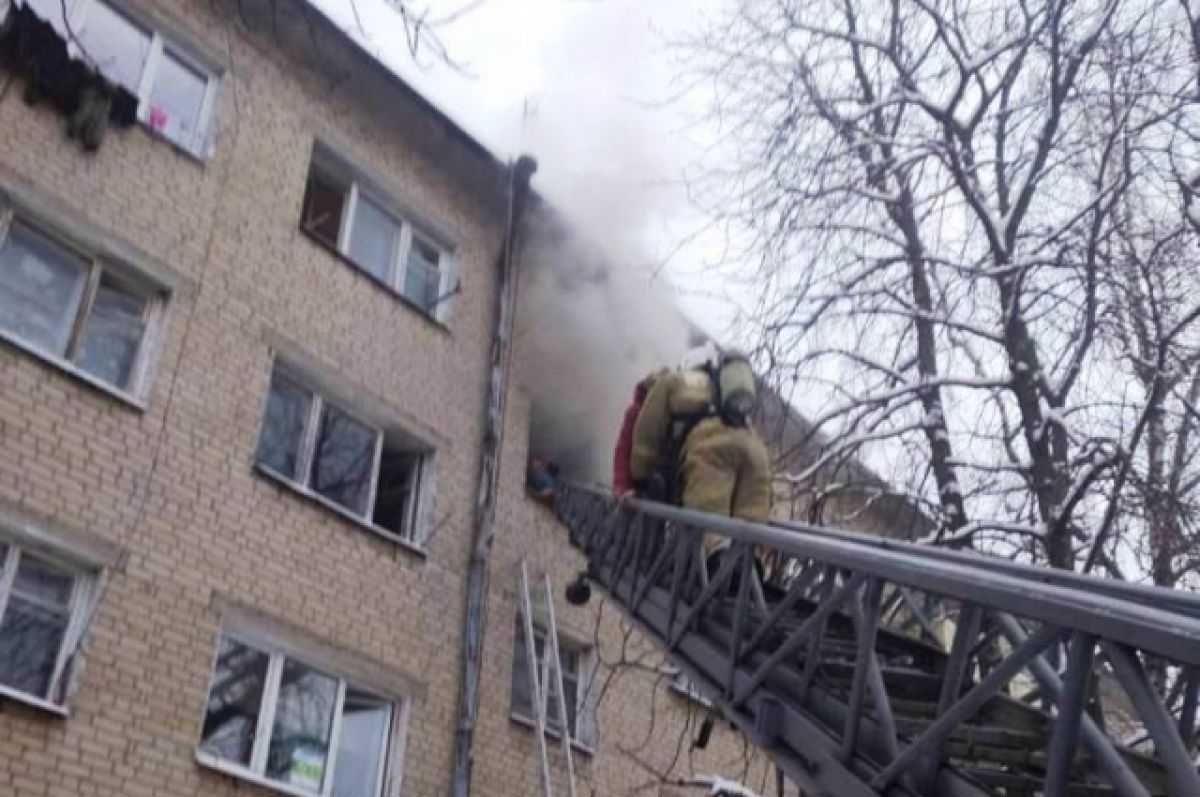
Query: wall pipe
<point x="484" y="527"/>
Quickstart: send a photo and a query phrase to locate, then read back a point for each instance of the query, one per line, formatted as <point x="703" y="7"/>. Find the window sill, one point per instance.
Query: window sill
<point x="198" y="158"/>
<point x="333" y="251"/>
<point x="75" y="372"/>
<point x="41" y="704"/>
<point x="209" y="761"/>
<point x="576" y="745"/>
<point x="343" y="513"/>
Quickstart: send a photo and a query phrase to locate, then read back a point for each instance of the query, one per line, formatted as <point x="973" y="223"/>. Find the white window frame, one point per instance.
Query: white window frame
<point x="411" y="533"/>
<point x="200" y="143"/>
<point x="97" y="267"/>
<point x="399" y="262"/>
<point x="255" y="772"/>
<point x="581" y="736"/>
<point x="83" y="591"/>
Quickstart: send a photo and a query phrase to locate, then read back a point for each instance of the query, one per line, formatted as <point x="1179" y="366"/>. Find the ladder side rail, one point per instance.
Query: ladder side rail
<point x="560" y="690"/>
<point x="1179" y="600"/>
<point x="535" y="681"/>
<point x="1161" y="630"/>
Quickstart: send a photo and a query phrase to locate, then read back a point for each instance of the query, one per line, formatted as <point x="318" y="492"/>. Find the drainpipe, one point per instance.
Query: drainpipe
<point x="484" y="531"/>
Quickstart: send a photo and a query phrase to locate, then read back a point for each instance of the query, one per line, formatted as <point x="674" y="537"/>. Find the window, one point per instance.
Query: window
<point x="175" y="93"/>
<point x="573" y="658"/>
<point x="73" y="308"/>
<point x="344" y="215"/>
<point x="325" y="450"/>
<point x="274" y="717"/>
<point x="41" y="621"/>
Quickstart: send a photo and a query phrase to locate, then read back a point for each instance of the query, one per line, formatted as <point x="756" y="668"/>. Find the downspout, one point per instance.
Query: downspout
<point x="489" y="467"/>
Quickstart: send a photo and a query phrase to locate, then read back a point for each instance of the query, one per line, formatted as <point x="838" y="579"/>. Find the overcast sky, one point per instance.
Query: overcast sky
<point x="589" y="87"/>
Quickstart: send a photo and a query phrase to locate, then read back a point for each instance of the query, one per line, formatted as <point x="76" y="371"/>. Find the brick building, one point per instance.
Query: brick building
<point x="247" y="288"/>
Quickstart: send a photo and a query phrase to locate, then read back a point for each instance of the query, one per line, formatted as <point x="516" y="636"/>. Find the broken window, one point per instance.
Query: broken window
<point x="340" y="212"/>
<point x="175" y="91"/>
<point x="326" y="450"/>
<point x="271" y="715"/>
<point x="572" y="658"/>
<point x="72" y="308"/>
<point x="41" y="621"/>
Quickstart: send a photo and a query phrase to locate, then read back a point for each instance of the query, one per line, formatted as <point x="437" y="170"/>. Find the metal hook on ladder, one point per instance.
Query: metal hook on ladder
<point x="537" y="685"/>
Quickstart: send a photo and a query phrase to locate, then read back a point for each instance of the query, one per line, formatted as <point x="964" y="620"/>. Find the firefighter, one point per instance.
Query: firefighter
<point x="622" y="481"/>
<point x="693" y="444"/>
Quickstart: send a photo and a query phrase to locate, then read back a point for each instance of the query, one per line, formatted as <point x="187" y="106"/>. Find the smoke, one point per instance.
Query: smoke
<point x="594" y="319"/>
<point x="589" y="328"/>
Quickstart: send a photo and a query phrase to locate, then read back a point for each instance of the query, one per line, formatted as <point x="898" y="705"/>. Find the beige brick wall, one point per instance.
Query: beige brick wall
<point x="172" y="484"/>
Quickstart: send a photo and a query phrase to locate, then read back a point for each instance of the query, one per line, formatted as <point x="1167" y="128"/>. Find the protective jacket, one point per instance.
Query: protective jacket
<point x="622" y="481"/>
<point x="716" y="467"/>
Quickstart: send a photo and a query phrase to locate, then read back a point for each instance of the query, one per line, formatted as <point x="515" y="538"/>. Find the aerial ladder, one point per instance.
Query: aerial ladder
<point x="820" y="646"/>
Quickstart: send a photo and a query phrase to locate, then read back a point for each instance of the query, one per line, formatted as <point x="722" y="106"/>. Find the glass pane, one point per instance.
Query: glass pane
<point x="362" y="745"/>
<point x="303" y="718"/>
<point x="343" y="460"/>
<point x="114" y="44"/>
<point x="567" y="657"/>
<point x="398" y="472"/>
<point x="40" y="286"/>
<point x="34" y="624"/>
<point x="44" y="583"/>
<point x="176" y="101"/>
<point x="373" y="239"/>
<point x="112" y="333"/>
<point x="283" y="426"/>
<point x="571" y="690"/>
<point x="234" y="699"/>
<point x="522" y="691"/>
<point x="324" y="201"/>
<point x="422" y="279"/>
<point x="552" y="708"/>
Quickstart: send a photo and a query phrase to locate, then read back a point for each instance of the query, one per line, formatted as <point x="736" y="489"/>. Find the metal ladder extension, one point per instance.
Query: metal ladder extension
<point x="537" y="686"/>
<point x="824" y="674"/>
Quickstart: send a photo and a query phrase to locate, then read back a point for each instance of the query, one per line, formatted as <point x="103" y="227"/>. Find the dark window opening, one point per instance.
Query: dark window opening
<point x="397" y="494"/>
<point x="324" y="204"/>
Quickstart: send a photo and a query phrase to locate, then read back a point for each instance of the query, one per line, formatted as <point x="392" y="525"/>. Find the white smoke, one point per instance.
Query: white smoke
<point x="596" y="316"/>
<point x="589" y="329"/>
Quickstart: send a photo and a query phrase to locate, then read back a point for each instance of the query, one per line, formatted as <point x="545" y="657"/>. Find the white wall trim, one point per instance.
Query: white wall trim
<point x="73" y="228"/>
<point x="253" y="625"/>
<point x="82" y="548"/>
<point x="323" y="377"/>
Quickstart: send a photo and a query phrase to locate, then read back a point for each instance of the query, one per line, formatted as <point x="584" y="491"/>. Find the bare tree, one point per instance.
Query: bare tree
<point x="939" y="198"/>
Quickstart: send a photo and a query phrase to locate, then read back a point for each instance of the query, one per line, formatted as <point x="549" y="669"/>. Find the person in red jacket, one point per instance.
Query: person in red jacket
<point x="622" y="481"/>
